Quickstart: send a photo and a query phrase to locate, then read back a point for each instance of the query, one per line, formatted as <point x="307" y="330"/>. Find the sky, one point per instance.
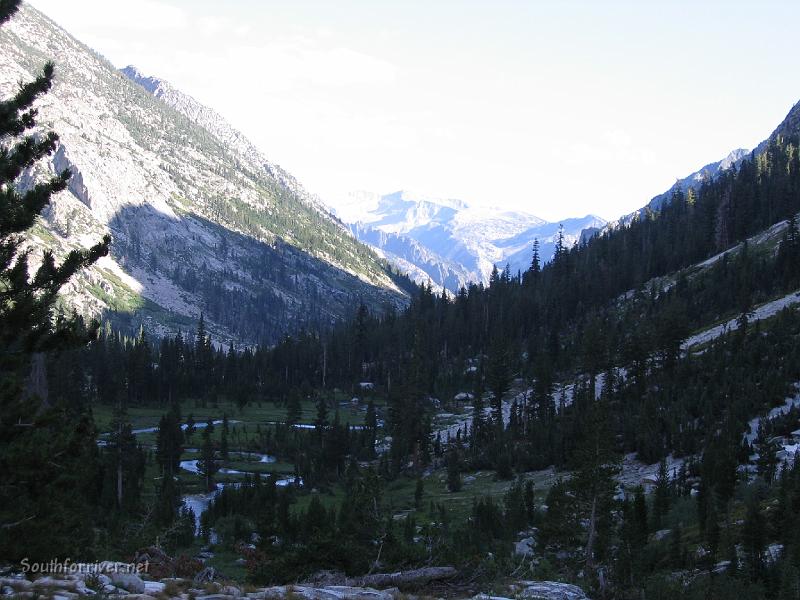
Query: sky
<point x="559" y="109"/>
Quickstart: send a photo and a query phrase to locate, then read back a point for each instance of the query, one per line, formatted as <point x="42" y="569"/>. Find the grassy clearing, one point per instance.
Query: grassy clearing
<point x="399" y="494"/>
<point x="262" y="413"/>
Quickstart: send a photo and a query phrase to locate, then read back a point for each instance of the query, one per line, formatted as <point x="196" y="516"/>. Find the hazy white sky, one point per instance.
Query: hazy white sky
<point x="558" y="108"/>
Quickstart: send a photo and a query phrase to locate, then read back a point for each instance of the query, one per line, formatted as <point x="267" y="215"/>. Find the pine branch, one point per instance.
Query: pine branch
<point x="8" y="8"/>
<point x="19" y="213"/>
<point x="26" y="152"/>
<point x="11" y="122"/>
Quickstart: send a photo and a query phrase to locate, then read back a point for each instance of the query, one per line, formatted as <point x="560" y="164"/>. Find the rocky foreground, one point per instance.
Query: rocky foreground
<point x="107" y="583"/>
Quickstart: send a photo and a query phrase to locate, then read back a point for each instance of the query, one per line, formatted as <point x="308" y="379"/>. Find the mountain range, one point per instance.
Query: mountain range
<point x="451" y="243"/>
<point x="204" y="223"/>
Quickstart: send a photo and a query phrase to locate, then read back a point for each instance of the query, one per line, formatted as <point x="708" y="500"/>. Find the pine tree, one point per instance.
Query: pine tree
<point x="478" y="430"/>
<point x="125" y="463"/>
<point x="223" y="438"/>
<point x="640" y="523"/>
<point x="294" y="410"/>
<point x="321" y="422"/>
<point x="169" y="443"/>
<point x="560" y="526"/>
<point x="190" y="428"/>
<point x="560" y="246"/>
<point x="753" y="539"/>
<point x="168" y="503"/>
<point x="766" y="449"/>
<point x="498" y="379"/>
<point x="207" y="465"/>
<point x="661" y="495"/>
<point x="676" y="549"/>
<point x="371" y="423"/>
<point x="593" y="483"/>
<point x="453" y="471"/>
<point x="536" y="266"/>
<point x="37" y="502"/>
<point x="419" y="491"/>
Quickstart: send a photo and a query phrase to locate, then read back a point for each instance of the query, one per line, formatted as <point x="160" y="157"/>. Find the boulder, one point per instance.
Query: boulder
<point x="230" y="590"/>
<point x="525" y="546"/>
<point x="354" y="593"/>
<point x="331" y="592"/>
<point x="154" y="587"/>
<point x="60" y="584"/>
<point x="551" y="590"/>
<point x="16" y="583"/>
<point x="96" y="580"/>
<point x="280" y="592"/>
<point x="128" y="581"/>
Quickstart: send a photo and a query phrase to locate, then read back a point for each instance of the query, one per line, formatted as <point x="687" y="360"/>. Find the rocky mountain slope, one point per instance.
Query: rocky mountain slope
<point x="695" y="180"/>
<point x="789" y="126"/>
<point x="450" y="242"/>
<point x="201" y="221"/>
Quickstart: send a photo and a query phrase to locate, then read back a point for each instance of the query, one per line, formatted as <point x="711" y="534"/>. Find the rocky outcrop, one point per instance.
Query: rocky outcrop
<point x="415" y="578"/>
<point x="128" y="581"/>
<point x="125" y="586"/>
<point x="551" y="590"/>
<point x="61" y="162"/>
<point x="334" y="592"/>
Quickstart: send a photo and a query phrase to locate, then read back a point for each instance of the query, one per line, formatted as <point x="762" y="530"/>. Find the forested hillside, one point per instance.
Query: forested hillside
<point x="529" y="408"/>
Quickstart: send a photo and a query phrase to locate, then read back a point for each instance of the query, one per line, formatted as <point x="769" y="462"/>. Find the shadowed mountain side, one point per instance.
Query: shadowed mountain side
<point x="195" y="181"/>
<point x="413" y="257"/>
<point x="248" y="290"/>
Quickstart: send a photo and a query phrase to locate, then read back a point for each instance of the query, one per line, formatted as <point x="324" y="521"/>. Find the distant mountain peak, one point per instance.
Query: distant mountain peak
<point x="450" y="241"/>
<point x="790" y="126"/>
